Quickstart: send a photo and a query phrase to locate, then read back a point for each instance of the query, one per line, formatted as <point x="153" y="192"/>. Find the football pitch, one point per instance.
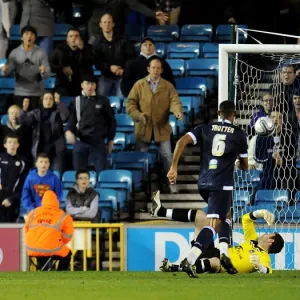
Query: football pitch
<point x="148" y="285"/>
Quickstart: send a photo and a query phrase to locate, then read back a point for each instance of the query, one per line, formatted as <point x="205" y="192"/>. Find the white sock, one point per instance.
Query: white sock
<point x="223" y="248"/>
<point x="169" y="213"/>
<point x="193" y="255"/>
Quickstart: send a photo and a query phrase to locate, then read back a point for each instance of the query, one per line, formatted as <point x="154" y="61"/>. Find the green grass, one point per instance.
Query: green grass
<point x="145" y="286"/>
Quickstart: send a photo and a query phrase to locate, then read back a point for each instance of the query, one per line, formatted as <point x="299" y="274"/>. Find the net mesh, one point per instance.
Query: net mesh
<point x="266" y="84"/>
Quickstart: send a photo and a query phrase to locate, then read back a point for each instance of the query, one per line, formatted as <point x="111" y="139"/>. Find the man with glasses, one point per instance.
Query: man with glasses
<point x="82" y="200"/>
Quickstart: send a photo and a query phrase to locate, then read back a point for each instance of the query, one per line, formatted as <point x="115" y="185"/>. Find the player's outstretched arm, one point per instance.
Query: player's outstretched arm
<point x="263" y="213"/>
<point x="180" y="145"/>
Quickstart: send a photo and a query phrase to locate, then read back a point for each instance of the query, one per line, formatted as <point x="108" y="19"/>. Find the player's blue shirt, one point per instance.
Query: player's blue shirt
<point x="220" y="145"/>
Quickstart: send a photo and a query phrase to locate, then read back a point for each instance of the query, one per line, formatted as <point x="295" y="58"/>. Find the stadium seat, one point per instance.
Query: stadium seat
<point x="184" y="50"/>
<point x="15" y="33"/>
<point x="4" y="119"/>
<point x="246" y="179"/>
<point x="241" y="198"/>
<point x="297" y="197"/>
<point x="108" y="204"/>
<point x="119" y="141"/>
<point x="119" y="180"/>
<point x="205" y="67"/>
<point x="3" y="61"/>
<point x="124" y="123"/>
<point x="160" y="49"/>
<point x="135" y="32"/>
<point x="115" y="103"/>
<point x="7" y="85"/>
<point x="138" y="164"/>
<point x="177" y="126"/>
<point x="163" y="33"/>
<point x="49" y="83"/>
<point x="96" y="72"/>
<point x="63" y="202"/>
<point x="277" y="198"/>
<point x="68" y="179"/>
<point x="60" y="31"/>
<point x="177" y="66"/>
<point x="56" y="173"/>
<point x="224" y="33"/>
<point x="187" y="107"/>
<point x="210" y="50"/>
<point x="201" y="33"/>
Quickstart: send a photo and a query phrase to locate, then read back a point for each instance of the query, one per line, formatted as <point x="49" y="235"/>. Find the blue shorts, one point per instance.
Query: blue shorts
<point x="219" y="203"/>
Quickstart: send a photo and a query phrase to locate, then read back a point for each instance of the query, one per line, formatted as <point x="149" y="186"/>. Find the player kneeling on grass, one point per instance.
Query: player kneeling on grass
<point x="250" y="256"/>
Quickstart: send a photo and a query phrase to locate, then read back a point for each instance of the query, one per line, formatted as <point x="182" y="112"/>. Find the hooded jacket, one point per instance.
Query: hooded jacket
<point x="35" y="187"/>
<point x="48" y="229"/>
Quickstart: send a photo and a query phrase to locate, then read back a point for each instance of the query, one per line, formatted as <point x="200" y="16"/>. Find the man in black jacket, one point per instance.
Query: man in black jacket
<point x="91" y="121"/>
<point x="137" y="69"/>
<point x="12" y="177"/>
<point x="118" y="9"/>
<point x="68" y="61"/>
<point x="111" y="52"/>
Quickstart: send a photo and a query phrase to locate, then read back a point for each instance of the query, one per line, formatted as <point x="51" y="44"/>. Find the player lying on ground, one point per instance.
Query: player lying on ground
<point x="250" y="256"/>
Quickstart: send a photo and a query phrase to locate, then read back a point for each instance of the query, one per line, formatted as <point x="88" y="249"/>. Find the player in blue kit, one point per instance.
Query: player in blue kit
<point x="221" y="143"/>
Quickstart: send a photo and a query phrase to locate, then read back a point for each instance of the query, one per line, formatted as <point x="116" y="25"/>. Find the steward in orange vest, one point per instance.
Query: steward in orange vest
<point x="47" y="231"/>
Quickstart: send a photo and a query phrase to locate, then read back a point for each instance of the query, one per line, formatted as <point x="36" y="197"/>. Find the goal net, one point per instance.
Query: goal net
<point x="266" y="84"/>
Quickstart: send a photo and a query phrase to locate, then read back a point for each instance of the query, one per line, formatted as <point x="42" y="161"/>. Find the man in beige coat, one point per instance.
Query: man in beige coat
<point x="148" y="104"/>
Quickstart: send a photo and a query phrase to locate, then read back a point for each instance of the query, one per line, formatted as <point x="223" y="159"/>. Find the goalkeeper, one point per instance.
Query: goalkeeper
<point x="250" y="256"/>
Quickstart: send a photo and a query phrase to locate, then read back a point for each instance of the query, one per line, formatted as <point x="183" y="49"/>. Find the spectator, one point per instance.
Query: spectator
<point x="69" y="60"/>
<point x="12" y="177"/>
<point x="91" y="122"/>
<point x="40" y="15"/>
<point x="47" y="131"/>
<point x="38" y="181"/>
<point x="137" y="68"/>
<point x="118" y="9"/>
<point x="172" y="10"/>
<point x="110" y="54"/>
<point x="82" y="200"/>
<point x="48" y="230"/>
<point x="8" y="12"/>
<point x="278" y="157"/>
<point x="31" y="66"/>
<point x="264" y="110"/>
<point x="296" y="100"/>
<point x="148" y="104"/>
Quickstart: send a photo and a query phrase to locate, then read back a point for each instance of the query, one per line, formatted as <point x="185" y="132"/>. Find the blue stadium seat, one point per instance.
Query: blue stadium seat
<point x="297" y="197"/>
<point x="96" y="72"/>
<point x="160" y="49"/>
<point x="184" y="50"/>
<point x="138" y="164"/>
<point x="63" y="201"/>
<point x="49" y="83"/>
<point x="7" y="85"/>
<point x="124" y="123"/>
<point x="115" y="103"/>
<point x="119" y="141"/>
<point x="66" y="100"/>
<point x="246" y="179"/>
<point x="205" y="67"/>
<point x="68" y="179"/>
<point x="108" y="204"/>
<point x="177" y="126"/>
<point x="187" y="106"/>
<point x="201" y="33"/>
<point x="56" y="173"/>
<point x="106" y="195"/>
<point x="135" y="32"/>
<point x="241" y="198"/>
<point x="277" y="198"/>
<point x="15" y="33"/>
<point x="3" y="61"/>
<point x="119" y="180"/>
<point x="165" y="33"/>
<point x="210" y="50"/>
<point x="4" y="119"/>
<point x="177" y="66"/>
<point x="223" y="33"/>
<point x="60" y="31"/>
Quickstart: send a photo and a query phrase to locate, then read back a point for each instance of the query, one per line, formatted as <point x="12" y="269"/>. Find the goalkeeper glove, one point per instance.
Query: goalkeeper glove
<point x="263" y="213"/>
<point x="255" y="261"/>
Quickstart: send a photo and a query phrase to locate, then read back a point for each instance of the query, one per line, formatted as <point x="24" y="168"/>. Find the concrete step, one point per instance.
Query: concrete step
<point x="188" y="168"/>
<point x="183" y="204"/>
<point x="115" y="265"/>
<point x="191" y="151"/>
<point x="115" y="254"/>
<point x="180" y="197"/>
<point x="187" y="178"/>
<point x="191" y="158"/>
<point x="187" y="187"/>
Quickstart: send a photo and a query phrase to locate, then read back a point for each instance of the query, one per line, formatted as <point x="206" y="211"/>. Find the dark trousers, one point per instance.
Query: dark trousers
<point x="63" y="264"/>
<point x="85" y="154"/>
<point x="34" y="101"/>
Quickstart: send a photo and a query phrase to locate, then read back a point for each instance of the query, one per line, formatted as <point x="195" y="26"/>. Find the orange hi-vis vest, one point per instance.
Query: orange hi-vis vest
<point x="48" y="229"/>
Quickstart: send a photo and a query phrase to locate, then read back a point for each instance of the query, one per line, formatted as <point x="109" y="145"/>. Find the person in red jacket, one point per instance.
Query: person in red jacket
<point x="48" y="230"/>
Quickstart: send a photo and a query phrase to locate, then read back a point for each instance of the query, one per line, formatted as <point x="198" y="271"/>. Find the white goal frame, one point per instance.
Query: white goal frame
<point x="226" y="49"/>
